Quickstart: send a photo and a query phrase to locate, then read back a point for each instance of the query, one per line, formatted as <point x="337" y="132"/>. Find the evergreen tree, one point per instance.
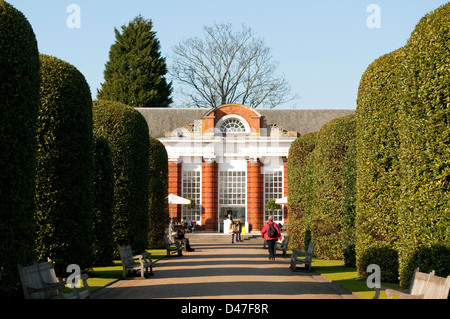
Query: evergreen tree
<point x="135" y="72"/>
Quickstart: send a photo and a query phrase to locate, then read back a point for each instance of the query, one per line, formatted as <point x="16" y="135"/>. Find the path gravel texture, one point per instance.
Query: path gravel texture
<point x="225" y="271"/>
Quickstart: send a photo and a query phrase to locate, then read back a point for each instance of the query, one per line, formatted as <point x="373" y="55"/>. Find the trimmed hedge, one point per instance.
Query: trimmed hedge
<point x="333" y="141"/>
<point x="378" y="178"/>
<point x="159" y="185"/>
<point x="300" y="190"/>
<point x="126" y="131"/>
<point x="425" y="132"/>
<point x="19" y="104"/>
<point x="65" y="167"/>
<point x="103" y="246"/>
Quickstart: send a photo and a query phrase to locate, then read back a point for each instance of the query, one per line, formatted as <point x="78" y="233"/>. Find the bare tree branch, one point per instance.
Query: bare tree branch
<point x="228" y="67"/>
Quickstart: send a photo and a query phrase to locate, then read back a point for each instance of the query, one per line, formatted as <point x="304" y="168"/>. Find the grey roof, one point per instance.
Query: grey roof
<point x="162" y="120"/>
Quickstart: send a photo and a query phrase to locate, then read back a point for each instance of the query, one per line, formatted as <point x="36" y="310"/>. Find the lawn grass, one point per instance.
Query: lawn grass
<point x="100" y="277"/>
<point x="347" y="278"/>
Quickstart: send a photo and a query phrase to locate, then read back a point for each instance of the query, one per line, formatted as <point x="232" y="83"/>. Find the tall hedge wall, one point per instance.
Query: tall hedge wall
<point x="378" y="165"/>
<point x="65" y="166"/>
<point x="425" y="156"/>
<point x="349" y="176"/>
<point x="103" y="245"/>
<point x="159" y="185"/>
<point x="126" y="131"/>
<point x="300" y="190"/>
<point x="19" y="104"/>
<point x="333" y="141"/>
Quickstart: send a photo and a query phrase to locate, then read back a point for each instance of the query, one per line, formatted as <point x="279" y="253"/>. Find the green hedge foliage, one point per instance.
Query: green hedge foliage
<point x="425" y="133"/>
<point x="349" y="173"/>
<point x="333" y="141"/>
<point x="159" y="185"/>
<point x="65" y="167"/>
<point x="126" y="131"/>
<point x="19" y="104"/>
<point x="103" y="246"/>
<point x="300" y="190"/>
<point x="378" y="178"/>
<point x="322" y="190"/>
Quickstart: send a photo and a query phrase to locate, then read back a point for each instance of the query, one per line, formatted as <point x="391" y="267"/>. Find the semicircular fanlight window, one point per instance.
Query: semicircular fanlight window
<point x="232" y="126"/>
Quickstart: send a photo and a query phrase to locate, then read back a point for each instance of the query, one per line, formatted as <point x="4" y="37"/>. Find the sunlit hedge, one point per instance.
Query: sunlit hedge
<point x="378" y="178"/>
<point x="425" y="148"/>
<point x="327" y="221"/>
<point x="300" y="190"/>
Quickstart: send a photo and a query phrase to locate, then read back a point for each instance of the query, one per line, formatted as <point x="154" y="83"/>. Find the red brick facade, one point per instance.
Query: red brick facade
<point x="175" y="177"/>
<point x="209" y="196"/>
<point x="255" y="196"/>
<point x="253" y="118"/>
<point x="210" y="167"/>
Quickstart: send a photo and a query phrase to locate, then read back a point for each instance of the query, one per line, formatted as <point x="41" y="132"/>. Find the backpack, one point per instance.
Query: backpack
<point x="272" y="233"/>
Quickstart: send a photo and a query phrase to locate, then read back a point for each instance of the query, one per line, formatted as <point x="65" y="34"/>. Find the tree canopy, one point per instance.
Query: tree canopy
<point x="135" y="72"/>
<point x="228" y="67"/>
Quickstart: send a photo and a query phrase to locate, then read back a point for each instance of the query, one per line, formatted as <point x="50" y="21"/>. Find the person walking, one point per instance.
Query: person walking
<point x="271" y="234"/>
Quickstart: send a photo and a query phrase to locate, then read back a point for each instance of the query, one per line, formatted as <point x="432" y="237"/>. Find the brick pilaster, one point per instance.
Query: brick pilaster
<point x="255" y="195"/>
<point x="175" y="177"/>
<point x="210" y="209"/>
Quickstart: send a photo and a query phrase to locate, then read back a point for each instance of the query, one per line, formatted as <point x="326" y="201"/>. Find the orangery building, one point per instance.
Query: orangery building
<point x="231" y="159"/>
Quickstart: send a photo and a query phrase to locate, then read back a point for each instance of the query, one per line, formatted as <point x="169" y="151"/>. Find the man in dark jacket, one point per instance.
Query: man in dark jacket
<point x="271" y="239"/>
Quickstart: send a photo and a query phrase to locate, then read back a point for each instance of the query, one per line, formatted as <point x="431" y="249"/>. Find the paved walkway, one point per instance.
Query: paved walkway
<point x="226" y="271"/>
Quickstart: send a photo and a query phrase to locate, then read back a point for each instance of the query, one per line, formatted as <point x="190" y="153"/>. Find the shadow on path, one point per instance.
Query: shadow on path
<point x="214" y="271"/>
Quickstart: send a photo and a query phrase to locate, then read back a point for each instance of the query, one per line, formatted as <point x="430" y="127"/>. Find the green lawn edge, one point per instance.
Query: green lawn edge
<point x="333" y="270"/>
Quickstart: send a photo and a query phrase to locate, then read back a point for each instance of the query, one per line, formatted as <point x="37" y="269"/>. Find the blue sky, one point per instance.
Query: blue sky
<point x="322" y="47"/>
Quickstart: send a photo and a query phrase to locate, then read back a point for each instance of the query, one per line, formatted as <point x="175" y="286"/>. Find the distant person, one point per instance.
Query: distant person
<point x="232" y="231"/>
<point x="238" y="231"/>
<point x="231" y="225"/>
<point x="180" y="236"/>
<point x="230" y="215"/>
<point x="271" y="234"/>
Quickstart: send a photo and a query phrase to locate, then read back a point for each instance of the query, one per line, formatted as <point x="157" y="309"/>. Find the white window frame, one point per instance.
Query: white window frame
<point x="274" y="192"/>
<point x="195" y="213"/>
<point x="237" y="198"/>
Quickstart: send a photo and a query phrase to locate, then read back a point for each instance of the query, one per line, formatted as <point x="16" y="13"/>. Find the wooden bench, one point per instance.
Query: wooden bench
<point x="283" y="245"/>
<point x="307" y="260"/>
<point x="173" y="247"/>
<point x="39" y="281"/>
<point x="129" y="262"/>
<point x="423" y="286"/>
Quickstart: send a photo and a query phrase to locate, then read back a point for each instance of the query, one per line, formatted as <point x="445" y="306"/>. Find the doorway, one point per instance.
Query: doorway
<point x="237" y="213"/>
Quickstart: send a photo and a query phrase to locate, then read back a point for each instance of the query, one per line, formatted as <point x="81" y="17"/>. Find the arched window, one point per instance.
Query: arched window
<point x="233" y="124"/>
